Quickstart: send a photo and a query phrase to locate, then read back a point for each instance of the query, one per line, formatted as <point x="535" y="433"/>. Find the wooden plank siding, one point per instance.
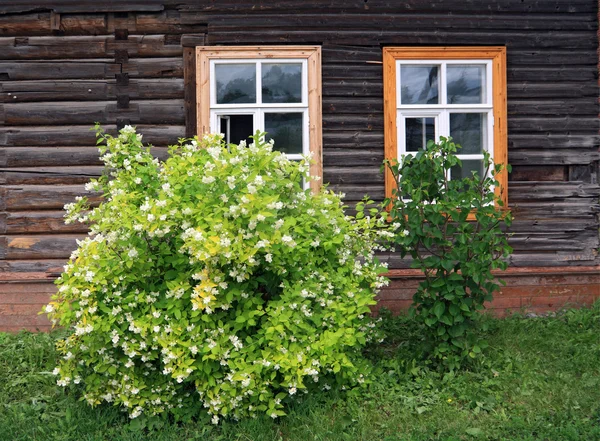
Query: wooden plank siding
<point x="64" y="67"/>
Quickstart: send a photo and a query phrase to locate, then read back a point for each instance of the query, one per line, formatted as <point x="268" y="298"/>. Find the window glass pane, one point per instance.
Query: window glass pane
<point x="236" y="128"/>
<point x="417" y="132"/>
<point x="236" y="83"/>
<point x="419" y="84"/>
<point x="286" y="130"/>
<point x="468" y="167"/>
<point x="281" y="83"/>
<point x="466" y="84"/>
<point x="469" y="130"/>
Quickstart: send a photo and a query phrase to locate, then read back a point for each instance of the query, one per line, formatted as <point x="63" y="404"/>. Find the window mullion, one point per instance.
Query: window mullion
<point x="443" y="88"/>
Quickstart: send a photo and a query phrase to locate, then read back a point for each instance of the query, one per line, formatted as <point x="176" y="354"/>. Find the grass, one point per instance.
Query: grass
<point x="540" y="380"/>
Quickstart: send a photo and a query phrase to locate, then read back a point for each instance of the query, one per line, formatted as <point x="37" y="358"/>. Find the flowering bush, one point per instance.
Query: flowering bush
<point x="213" y="280"/>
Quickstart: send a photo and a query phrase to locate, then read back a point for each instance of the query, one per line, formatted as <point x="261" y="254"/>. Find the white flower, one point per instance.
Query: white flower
<point x="49" y="309"/>
<point x="292" y="390"/>
<point x="133" y="253"/>
<point x="208" y="179"/>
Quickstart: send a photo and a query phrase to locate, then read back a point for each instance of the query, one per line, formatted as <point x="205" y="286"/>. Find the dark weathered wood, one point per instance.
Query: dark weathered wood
<point x="41" y="197"/>
<point x="564" y="89"/>
<point x="56" y="156"/>
<point x="541" y="140"/>
<point x="46" y="222"/>
<point x="67" y="47"/>
<point x="538" y="173"/>
<point x="82" y="135"/>
<point x="353" y="139"/>
<point x="65" y="70"/>
<point x="398" y="19"/>
<point x="189" y="78"/>
<point x="553" y="156"/>
<point x="352" y="158"/>
<point x="55" y="246"/>
<point x="527" y="125"/>
<point x="363" y="122"/>
<point x="91" y="69"/>
<point x="49" y="175"/>
<point x="105" y="112"/>
<point x="237" y="7"/>
<point x="94" y="90"/>
<point x="361" y="36"/>
<point x="570" y="107"/>
<point x="552" y="191"/>
<point x="30" y="266"/>
<point x="169" y="21"/>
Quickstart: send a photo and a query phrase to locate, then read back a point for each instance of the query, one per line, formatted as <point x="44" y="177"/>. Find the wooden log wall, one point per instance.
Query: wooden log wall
<point x="64" y="67"/>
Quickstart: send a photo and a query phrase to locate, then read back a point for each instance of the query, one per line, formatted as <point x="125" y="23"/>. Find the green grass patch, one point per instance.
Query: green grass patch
<point x="539" y="380"/>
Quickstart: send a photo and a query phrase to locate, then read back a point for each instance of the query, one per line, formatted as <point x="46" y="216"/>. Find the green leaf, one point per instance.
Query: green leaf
<point x="438" y="309"/>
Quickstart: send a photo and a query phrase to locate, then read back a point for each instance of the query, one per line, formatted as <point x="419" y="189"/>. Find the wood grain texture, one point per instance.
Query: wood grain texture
<point x="64" y="67"/>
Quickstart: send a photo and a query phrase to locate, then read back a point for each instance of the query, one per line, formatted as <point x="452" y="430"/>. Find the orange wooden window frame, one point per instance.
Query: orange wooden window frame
<point x="496" y="54"/>
<point x="204" y="54"/>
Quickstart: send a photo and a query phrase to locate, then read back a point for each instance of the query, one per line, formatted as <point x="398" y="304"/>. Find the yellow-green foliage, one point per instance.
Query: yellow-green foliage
<point x="213" y="283"/>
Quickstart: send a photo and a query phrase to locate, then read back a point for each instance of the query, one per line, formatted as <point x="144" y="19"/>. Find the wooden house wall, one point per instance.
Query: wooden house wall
<point x="64" y="67"/>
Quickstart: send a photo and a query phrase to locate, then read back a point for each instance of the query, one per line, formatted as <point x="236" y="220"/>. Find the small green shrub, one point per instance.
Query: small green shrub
<point x="213" y="283"/>
<point x="457" y="255"/>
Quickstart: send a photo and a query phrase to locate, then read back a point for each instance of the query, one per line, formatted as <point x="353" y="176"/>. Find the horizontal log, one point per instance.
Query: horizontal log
<point x="31" y="266"/>
<point x="49" y="175"/>
<point x="39" y="23"/>
<point x="23" y="222"/>
<point x="42" y="197"/>
<point x="539" y="226"/>
<point x="576" y="125"/>
<point x="76" y="7"/>
<point x="549" y="57"/>
<point x="372" y="21"/>
<point x="66" y="47"/>
<point x="552" y="73"/>
<point x="538" y="173"/>
<point x="560" y="241"/>
<point x="353" y="122"/>
<point x="387" y="6"/>
<point x="104" y="112"/>
<point x="581" y="209"/>
<point x="362" y="35"/>
<point x="566" y="89"/>
<point x="91" y="69"/>
<point x="56" y="246"/>
<point x="352" y="105"/>
<point x="352" y="158"/>
<point x="528" y="191"/>
<point x="573" y="107"/>
<point x="355" y="192"/>
<point x="169" y="22"/>
<point x="553" y="156"/>
<point x="95" y="90"/>
<point x="353" y="175"/>
<point x="551" y="141"/>
<point x="57" y="156"/>
<point x="352" y="88"/>
<point x="73" y="135"/>
<point x="353" y="139"/>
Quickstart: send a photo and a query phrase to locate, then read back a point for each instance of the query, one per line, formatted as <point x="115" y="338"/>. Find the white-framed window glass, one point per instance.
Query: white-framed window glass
<point x="446" y="98"/>
<point x="274" y="90"/>
<point x="447" y="91"/>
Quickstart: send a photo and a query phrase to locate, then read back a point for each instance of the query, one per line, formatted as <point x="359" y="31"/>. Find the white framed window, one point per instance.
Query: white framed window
<point x="276" y="90"/>
<point x="441" y="91"/>
<point x="446" y="98"/>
